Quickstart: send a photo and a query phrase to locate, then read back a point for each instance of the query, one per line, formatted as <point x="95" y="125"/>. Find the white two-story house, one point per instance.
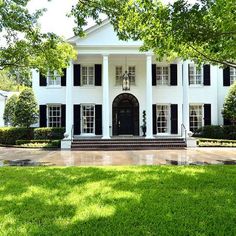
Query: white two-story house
<point x="105" y="91"/>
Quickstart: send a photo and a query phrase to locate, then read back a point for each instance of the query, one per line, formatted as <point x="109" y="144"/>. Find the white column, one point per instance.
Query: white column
<point x="186" y="95"/>
<point x="149" y="133"/>
<point x="69" y="105"/>
<point x="105" y="104"/>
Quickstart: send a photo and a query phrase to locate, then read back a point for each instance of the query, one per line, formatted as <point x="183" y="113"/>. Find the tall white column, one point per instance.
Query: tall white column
<point x="105" y="105"/>
<point x="149" y="133"/>
<point x="69" y="105"/>
<point x="186" y="95"/>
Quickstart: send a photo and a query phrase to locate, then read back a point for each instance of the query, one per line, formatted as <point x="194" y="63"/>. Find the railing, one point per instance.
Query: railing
<point x="184" y="132"/>
<point x="72" y="132"/>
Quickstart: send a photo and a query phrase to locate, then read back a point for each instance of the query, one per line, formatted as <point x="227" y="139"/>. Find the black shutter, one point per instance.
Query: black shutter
<point x="207" y="114"/>
<point x="63" y="115"/>
<point x="227" y="122"/>
<point x="76" y="75"/>
<point x="42" y="116"/>
<point x="154" y="119"/>
<point x="63" y="77"/>
<point x="174" y="118"/>
<point x="98" y="75"/>
<point x="207" y="75"/>
<point x="173" y="75"/>
<point x="154" y="75"/>
<point x="226" y="76"/>
<point x="98" y="119"/>
<point x="77" y="119"/>
<point x="42" y="80"/>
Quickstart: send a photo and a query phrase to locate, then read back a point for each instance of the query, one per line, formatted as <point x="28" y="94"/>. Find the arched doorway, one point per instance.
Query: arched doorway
<point x="125" y="115"/>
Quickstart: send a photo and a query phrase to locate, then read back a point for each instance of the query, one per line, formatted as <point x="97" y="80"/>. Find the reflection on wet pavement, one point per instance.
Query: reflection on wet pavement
<point x="194" y="156"/>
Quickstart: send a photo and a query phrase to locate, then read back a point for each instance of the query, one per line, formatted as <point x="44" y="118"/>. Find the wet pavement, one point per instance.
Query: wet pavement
<point x="193" y="156"/>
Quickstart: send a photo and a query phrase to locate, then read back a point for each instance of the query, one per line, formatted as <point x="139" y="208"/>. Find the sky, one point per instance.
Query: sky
<point x="55" y="19"/>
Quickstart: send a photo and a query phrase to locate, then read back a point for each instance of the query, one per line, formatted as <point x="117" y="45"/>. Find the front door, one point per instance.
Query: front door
<point x="125" y="121"/>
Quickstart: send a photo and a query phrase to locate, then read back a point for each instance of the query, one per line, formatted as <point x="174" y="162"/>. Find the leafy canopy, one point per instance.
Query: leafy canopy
<point x="229" y="110"/>
<point x="23" y="46"/>
<point x="204" y="31"/>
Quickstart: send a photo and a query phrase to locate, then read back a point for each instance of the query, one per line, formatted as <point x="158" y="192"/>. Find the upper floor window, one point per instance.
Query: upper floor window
<point x="195" y="117"/>
<point x="119" y="73"/>
<point x="162" y="75"/>
<point x="54" y="79"/>
<point x="87" y="75"/>
<point x="195" y="75"/>
<point x="232" y="75"/>
<point x="54" y="116"/>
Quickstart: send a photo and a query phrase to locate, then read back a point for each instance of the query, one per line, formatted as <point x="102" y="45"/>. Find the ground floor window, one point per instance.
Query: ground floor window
<point x="54" y="116"/>
<point x="163" y="117"/>
<point x="88" y="119"/>
<point x="195" y="117"/>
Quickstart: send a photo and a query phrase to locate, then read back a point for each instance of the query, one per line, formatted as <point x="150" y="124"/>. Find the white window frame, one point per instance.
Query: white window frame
<point x="195" y="75"/>
<point x="53" y="80"/>
<point x="87" y="66"/>
<point x="168" y="118"/>
<point x="232" y="75"/>
<point x="162" y="75"/>
<point x="81" y="119"/>
<point x="202" y="118"/>
<point x="48" y="115"/>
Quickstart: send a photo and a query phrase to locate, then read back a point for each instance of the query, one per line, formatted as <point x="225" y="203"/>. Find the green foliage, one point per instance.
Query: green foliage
<point x="25" y="46"/>
<point x="216" y="143"/>
<point x="39" y="143"/>
<point x="229" y="109"/>
<point x="217" y="132"/>
<point x="154" y="200"/>
<point x="9" y="135"/>
<point x="9" y="112"/>
<point x="204" y="31"/>
<point x="26" y="110"/>
<point x="49" y="133"/>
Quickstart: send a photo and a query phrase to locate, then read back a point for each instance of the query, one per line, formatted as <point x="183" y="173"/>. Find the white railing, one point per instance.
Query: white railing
<point x="72" y="132"/>
<point x="184" y="132"/>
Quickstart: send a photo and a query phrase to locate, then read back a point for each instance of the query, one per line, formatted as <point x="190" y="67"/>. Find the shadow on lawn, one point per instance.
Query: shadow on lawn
<point x="120" y="201"/>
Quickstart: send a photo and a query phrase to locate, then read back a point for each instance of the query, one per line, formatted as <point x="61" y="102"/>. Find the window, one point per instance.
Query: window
<point x="162" y="74"/>
<point x="87" y="75"/>
<point x="195" y="75"/>
<point x="232" y="75"/>
<point x="195" y="117"/>
<point x="119" y="73"/>
<point x="163" y="117"/>
<point x="88" y="119"/>
<point x="54" y="116"/>
<point x="54" y="79"/>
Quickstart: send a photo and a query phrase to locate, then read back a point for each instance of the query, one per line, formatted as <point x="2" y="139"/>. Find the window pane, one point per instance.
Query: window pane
<point x="88" y="119"/>
<point x="54" y="116"/>
<point x="162" y="118"/>
<point x="162" y="75"/>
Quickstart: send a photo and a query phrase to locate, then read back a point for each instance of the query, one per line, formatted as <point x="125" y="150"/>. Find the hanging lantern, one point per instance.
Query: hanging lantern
<point x="126" y="81"/>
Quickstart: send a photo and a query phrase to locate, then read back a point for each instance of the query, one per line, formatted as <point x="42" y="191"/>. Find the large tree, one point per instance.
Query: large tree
<point x="23" y="46"/>
<point x="204" y="31"/>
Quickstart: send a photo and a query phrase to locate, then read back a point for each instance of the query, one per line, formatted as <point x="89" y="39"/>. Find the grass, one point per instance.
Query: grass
<point x="155" y="200"/>
<point x="205" y="142"/>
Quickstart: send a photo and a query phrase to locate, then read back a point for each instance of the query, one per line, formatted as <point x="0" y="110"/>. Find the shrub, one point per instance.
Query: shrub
<point x="9" y="135"/>
<point x="39" y="143"/>
<point x="217" y="132"/>
<point x="49" y="133"/>
<point x="216" y="143"/>
<point x="9" y="111"/>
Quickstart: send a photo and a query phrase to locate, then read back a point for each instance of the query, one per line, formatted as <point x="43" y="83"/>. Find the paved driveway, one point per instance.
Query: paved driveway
<point x="195" y="156"/>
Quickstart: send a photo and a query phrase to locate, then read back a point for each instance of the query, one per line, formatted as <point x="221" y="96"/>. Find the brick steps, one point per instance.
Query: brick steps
<point x="127" y="144"/>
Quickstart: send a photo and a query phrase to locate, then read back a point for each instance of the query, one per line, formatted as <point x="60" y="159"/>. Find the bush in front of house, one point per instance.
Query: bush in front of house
<point x="205" y="142"/>
<point x="9" y="135"/>
<point x="217" y="132"/>
<point x="39" y="143"/>
<point x="49" y="133"/>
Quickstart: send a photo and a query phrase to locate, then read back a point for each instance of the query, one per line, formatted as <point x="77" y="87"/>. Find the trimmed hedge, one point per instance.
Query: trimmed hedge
<point x="216" y="143"/>
<point x="9" y="135"/>
<point x="49" y="133"/>
<point x="39" y="143"/>
<point x="217" y="132"/>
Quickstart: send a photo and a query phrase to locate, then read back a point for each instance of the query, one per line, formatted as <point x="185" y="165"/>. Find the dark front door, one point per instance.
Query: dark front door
<point x="125" y="121"/>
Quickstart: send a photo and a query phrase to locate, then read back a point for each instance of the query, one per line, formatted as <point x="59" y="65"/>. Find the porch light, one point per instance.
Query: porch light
<point x="126" y="81"/>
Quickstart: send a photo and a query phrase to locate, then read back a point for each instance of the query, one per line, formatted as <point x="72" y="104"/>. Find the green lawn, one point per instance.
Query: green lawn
<point x="158" y="200"/>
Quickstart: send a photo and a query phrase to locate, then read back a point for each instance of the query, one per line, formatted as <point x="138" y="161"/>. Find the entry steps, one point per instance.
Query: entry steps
<point x="127" y="144"/>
